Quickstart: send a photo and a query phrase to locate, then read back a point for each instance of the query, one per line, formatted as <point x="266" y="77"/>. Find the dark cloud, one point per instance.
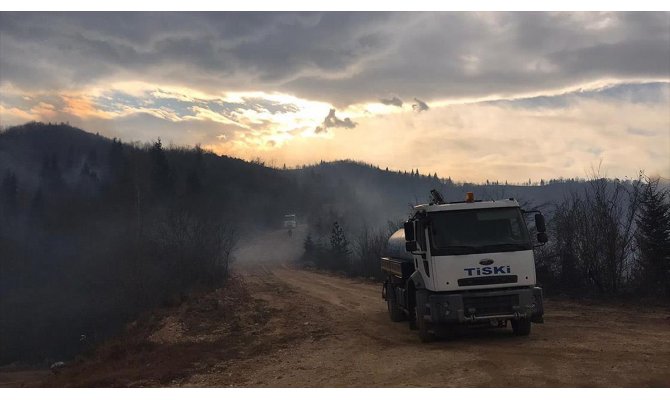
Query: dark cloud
<point x="419" y="105"/>
<point x="338" y="57"/>
<point x="393" y="101"/>
<point x="331" y="121"/>
<point x="455" y="55"/>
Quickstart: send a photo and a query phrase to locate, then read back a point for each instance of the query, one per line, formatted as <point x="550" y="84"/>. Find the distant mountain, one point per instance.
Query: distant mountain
<point x="377" y="194"/>
<point x="24" y="148"/>
<point x="359" y="192"/>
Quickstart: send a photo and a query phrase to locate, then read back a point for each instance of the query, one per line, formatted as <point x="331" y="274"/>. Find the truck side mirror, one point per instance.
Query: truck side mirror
<point x="542" y="237"/>
<point x="539" y="224"/>
<point x="410" y="246"/>
<point x="409" y="231"/>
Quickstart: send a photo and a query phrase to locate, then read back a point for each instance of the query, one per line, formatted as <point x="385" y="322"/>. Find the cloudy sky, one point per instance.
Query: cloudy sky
<point x="474" y="96"/>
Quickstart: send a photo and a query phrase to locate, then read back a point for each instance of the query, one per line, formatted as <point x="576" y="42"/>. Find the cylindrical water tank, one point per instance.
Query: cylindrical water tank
<point x="396" y="246"/>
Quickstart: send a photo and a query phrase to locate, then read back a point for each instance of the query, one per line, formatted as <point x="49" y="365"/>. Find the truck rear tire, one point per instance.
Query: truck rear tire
<point x="395" y="312"/>
<point x="521" y="327"/>
<point x="424" y="327"/>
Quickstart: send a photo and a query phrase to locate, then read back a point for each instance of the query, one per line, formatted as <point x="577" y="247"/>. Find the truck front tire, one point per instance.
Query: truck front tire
<point x="424" y="327"/>
<point x="395" y="313"/>
<point x="521" y="327"/>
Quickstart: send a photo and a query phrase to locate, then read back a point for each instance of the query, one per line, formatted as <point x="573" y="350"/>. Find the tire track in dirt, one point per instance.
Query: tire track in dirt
<point x="585" y="345"/>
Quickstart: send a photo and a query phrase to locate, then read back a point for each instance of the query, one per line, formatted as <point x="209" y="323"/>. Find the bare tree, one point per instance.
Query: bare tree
<point x="594" y="234"/>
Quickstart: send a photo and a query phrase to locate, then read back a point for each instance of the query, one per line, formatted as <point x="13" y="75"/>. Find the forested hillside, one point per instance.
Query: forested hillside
<point x="93" y="231"/>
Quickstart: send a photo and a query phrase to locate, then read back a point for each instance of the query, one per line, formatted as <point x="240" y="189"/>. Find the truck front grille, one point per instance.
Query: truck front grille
<point x="490" y="305"/>
<point x="487" y="280"/>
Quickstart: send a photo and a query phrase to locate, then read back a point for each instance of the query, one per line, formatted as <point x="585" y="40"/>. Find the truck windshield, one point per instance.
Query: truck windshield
<point x="485" y="230"/>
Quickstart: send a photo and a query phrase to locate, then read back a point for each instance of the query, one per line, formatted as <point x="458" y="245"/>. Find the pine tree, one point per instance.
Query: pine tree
<point x="193" y="183"/>
<point x="8" y="196"/>
<point x="309" y="247"/>
<point x="38" y="208"/>
<point x="10" y="186"/>
<point x="339" y="246"/>
<point x="92" y="158"/>
<point x="69" y="158"/>
<point x="161" y="175"/>
<point x="653" y="238"/>
<point x="50" y="174"/>
<point x="116" y="157"/>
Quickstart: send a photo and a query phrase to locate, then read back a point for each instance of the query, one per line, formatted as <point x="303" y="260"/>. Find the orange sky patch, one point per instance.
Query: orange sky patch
<point x="14" y="115"/>
<point x="84" y="108"/>
<point x="44" y="110"/>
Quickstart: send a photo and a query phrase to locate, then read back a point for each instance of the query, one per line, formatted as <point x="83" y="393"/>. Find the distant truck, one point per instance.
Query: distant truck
<point x="290" y="221"/>
<point x="464" y="263"/>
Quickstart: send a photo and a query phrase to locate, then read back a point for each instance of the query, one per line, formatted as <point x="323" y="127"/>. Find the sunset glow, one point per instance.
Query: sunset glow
<point x="519" y="102"/>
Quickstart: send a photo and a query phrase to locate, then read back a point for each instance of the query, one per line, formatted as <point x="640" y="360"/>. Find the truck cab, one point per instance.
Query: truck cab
<point x="290" y="221"/>
<point x="464" y="263"/>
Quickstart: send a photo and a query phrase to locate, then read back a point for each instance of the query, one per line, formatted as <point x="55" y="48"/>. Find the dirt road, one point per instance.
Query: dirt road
<point x="349" y="341"/>
<point x="278" y="325"/>
<point x="345" y="338"/>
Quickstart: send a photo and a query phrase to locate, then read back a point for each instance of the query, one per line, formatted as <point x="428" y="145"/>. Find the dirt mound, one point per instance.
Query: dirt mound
<point x="172" y="343"/>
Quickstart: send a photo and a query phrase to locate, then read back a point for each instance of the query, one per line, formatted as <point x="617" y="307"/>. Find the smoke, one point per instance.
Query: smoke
<point x="331" y="121"/>
<point x="419" y="106"/>
<point x="264" y="247"/>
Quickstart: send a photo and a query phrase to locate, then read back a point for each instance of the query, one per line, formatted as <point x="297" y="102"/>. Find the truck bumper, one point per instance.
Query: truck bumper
<point x="493" y="305"/>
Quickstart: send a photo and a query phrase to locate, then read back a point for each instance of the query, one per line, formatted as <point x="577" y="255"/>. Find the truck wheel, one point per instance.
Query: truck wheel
<point x="395" y="313"/>
<point x="426" y="333"/>
<point x="521" y="327"/>
<point x="447" y="331"/>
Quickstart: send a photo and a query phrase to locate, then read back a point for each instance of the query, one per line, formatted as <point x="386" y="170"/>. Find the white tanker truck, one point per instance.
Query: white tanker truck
<point x="464" y="263"/>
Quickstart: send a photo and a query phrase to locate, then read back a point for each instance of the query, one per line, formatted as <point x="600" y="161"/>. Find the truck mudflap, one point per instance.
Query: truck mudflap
<point x="524" y="303"/>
